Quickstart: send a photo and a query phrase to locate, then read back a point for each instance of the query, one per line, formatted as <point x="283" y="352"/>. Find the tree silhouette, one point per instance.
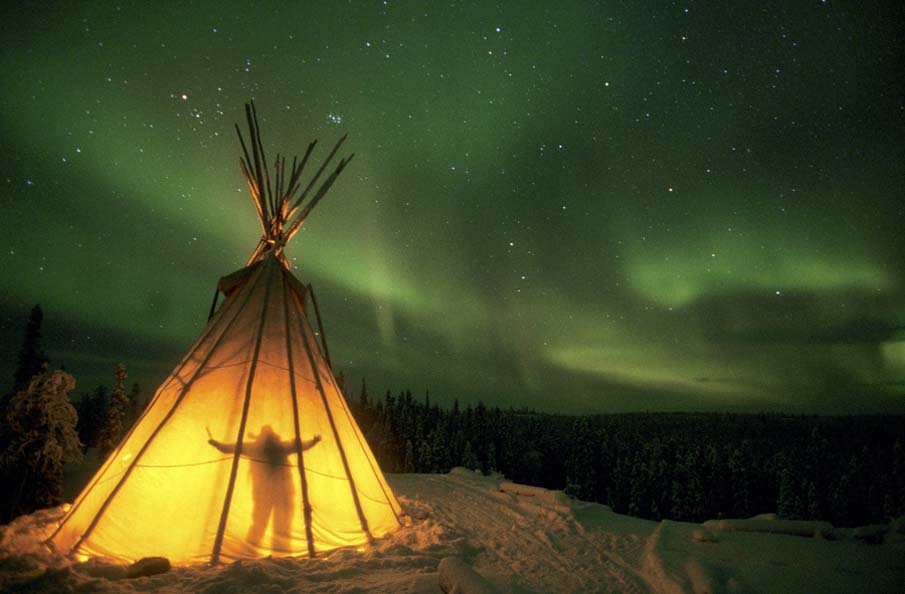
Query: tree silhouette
<point x="31" y="358"/>
<point x="136" y="405"/>
<point x="92" y="410"/>
<point x="114" y="422"/>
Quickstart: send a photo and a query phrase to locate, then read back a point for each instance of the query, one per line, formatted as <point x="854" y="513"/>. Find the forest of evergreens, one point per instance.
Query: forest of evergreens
<point x="849" y="470"/>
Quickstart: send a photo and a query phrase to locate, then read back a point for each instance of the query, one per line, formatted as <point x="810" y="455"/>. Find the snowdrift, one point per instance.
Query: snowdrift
<point x="466" y="533"/>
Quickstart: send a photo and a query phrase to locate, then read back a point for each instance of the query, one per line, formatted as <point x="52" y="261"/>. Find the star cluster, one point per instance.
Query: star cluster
<point x="568" y="206"/>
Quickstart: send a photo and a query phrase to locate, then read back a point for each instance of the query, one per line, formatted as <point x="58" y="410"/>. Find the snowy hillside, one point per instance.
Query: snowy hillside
<point x="506" y="537"/>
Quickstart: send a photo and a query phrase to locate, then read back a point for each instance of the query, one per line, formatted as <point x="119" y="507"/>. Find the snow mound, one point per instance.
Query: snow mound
<point x="553" y="506"/>
<point x="809" y="528"/>
<point x="547" y="496"/>
<point x="25" y="535"/>
<point x="896" y="534"/>
<point x="457" y="577"/>
<point x="873" y="533"/>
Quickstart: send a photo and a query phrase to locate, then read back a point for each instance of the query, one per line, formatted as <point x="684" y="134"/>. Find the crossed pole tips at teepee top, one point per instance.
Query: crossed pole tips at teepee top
<point x="276" y="197"/>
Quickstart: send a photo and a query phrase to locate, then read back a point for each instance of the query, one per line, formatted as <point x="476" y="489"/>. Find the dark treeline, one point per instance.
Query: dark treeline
<point x="847" y="470"/>
<point x="94" y="409"/>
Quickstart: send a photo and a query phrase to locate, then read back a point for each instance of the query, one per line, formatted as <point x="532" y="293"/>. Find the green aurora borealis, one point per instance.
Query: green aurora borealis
<point x="568" y="206"/>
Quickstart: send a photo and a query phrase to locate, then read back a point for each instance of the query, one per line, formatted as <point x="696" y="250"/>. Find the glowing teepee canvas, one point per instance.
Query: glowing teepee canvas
<point x="248" y="449"/>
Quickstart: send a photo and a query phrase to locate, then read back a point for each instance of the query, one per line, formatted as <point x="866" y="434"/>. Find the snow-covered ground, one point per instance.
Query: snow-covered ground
<point x="514" y="539"/>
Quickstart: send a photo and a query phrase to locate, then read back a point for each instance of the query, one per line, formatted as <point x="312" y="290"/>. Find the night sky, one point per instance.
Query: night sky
<point x="571" y="207"/>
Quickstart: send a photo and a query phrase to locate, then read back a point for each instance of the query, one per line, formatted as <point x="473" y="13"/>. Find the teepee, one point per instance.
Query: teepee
<point x="248" y="449"/>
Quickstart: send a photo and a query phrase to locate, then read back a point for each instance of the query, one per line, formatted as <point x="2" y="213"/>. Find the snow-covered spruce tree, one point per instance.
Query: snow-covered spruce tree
<point x="788" y="504"/>
<point x="425" y="457"/>
<point x="739" y="467"/>
<point x="491" y="458"/>
<point x="409" y="464"/>
<point x="469" y="458"/>
<point x="580" y="467"/>
<point x="440" y="448"/>
<point x="687" y="490"/>
<point x="41" y="422"/>
<point x="112" y="431"/>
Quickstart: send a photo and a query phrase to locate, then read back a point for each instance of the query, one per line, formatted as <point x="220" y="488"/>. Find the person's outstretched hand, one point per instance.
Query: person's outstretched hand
<point x="316" y="438"/>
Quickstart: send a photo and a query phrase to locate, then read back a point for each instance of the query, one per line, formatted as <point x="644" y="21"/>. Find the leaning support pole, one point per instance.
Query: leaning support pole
<point x="317" y="175"/>
<point x="320" y="326"/>
<point x="213" y="304"/>
<point x="299" y="451"/>
<point x="363" y="520"/>
<point x="299" y="218"/>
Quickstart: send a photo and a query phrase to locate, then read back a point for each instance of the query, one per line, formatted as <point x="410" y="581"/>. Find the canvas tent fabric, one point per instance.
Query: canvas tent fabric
<point x="164" y="491"/>
<point x="247" y="450"/>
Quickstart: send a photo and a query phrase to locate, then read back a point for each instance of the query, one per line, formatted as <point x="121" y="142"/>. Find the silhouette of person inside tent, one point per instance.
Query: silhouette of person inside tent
<point x="271" y="482"/>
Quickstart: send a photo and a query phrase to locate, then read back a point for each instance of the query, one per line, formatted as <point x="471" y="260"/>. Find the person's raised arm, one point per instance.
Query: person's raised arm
<point x="289" y="447"/>
<point x="226" y="448"/>
<point x="307" y="445"/>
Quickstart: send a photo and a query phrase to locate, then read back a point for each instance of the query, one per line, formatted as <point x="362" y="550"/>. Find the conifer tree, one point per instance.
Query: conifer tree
<point x="31" y="359"/>
<point x="581" y="474"/>
<point x="810" y="502"/>
<point x="112" y="431"/>
<point x="341" y="382"/>
<point x="838" y="497"/>
<point x="425" y="457"/>
<point x="469" y="459"/>
<point x="366" y="413"/>
<point x="43" y="438"/>
<point x="409" y="464"/>
<point x="894" y="506"/>
<point x="788" y="505"/>
<point x="363" y="397"/>
<point x="687" y="490"/>
<point x="440" y="449"/>
<point x="491" y="458"/>
<point x="136" y="406"/>
<point x="92" y="410"/>
<point x="738" y="467"/>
